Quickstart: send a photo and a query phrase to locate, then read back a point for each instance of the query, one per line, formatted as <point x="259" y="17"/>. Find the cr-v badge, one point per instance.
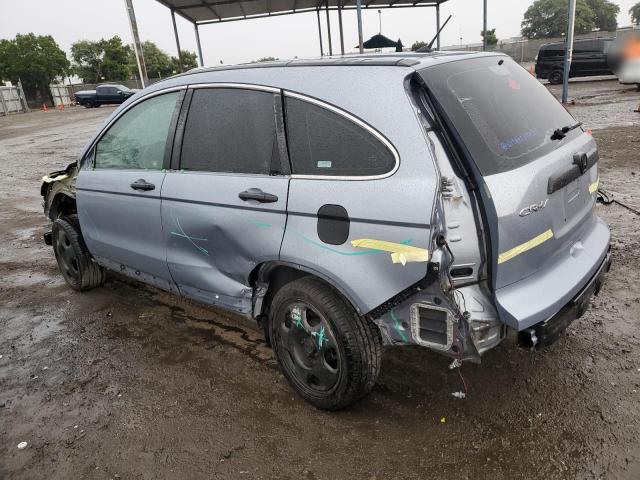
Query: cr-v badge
<point x="536" y="207"/>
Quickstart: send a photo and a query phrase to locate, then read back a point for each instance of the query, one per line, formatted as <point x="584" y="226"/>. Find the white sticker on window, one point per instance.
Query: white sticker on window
<point x="324" y="164"/>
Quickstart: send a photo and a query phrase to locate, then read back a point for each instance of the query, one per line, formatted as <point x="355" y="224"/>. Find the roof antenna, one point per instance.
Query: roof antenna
<point x="438" y="33"/>
<point x="380" y="19"/>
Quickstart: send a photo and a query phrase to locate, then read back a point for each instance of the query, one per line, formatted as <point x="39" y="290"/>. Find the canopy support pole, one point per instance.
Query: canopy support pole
<point x="175" y="32"/>
<point x="195" y="26"/>
<point x="328" y="27"/>
<point x="568" y="52"/>
<point x="438" y="26"/>
<point x="340" y="25"/>
<point x="484" y="26"/>
<point x="137" y="46"/>
<point x="320" y="32"/>
<point x="359" y="11"/>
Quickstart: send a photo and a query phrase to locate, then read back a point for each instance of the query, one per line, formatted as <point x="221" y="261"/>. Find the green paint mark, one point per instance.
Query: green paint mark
<point x="399" y="328"/>
<point x="182" y="234"/>
<point x="296" y="315"/>
<point x="321" y="337"/>
<point x="340" y="252"/>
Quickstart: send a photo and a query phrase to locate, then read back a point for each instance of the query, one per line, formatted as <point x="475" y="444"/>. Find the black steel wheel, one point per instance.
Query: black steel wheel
<point x="77" y="266"/>
<point x="556" y="77"/>
<point x="329" y="354"/>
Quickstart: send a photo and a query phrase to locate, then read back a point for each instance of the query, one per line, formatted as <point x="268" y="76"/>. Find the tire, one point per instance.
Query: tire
<point x="328" y="353"/>
<point x="76" y="264"/>
<point x="556" y="77"/>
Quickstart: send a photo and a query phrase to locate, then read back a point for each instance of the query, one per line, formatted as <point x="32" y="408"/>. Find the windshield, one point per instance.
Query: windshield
<point x="504" y="115"/>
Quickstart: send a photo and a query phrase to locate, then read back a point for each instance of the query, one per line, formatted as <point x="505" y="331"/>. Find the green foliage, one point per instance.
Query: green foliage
<point x="492" y="39"/>
<point x="189" y="61"/>
<point x="635" y="13"/>
<point x="35" y="60"/>
<point x="104" y="60"/>
<point x="417" y="45"/>
<point x="606" y="14"/>
<point x="548" y="18"/>
<point x="158" y="63"/>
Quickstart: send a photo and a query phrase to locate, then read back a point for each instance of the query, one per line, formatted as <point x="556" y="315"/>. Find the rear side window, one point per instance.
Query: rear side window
<point x="230" y="130"/>
<point x="138" y="138"/>
<point x="322" y="142"/>
<point x="504" y="115"/>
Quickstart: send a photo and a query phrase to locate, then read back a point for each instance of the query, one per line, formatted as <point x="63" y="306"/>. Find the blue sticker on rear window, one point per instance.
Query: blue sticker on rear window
<point x="520" y="139"/>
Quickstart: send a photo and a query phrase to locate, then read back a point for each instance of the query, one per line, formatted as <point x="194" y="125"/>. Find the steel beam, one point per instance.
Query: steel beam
<point x="329" y="28"/>
<point x="175" y="32"/>
<point x="359" y="14"/>
<point x="438" y="26"/>
<point x="340" y="27"/>
<point x="137" y="45"/>
<point x="320" y="32"/>
<point x="195" y="26"/>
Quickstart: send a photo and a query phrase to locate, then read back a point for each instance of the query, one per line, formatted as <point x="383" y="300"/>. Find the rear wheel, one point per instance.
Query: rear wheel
<point x="77" y="266"/>
<point x="329" y="354"/>
<point x="556" y="77"/>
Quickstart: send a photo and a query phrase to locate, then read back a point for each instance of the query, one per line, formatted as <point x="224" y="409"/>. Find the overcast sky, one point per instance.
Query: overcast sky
<point x="282" y="37"/>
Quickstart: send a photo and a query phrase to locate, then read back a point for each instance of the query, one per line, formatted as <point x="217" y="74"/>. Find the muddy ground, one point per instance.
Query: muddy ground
<point x="128" y="382"/>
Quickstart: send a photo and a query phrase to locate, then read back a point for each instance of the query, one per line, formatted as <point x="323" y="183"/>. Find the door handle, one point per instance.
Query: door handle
<point x="142" y="184"/>
<point x="258" y="195"/>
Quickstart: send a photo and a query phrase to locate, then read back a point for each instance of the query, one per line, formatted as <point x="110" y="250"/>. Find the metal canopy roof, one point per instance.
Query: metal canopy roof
<point x="216" y="11"/>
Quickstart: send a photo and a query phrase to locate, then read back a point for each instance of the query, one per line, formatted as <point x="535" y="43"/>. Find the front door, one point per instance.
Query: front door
<point x="118" y="192"/>
<point x="224" y="209"/>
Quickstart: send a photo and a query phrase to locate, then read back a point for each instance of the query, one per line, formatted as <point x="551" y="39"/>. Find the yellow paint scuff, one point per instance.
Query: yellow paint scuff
<point x="533" y="243"/>
<point x="594" y="186"/>
<point x="400" y="253"/>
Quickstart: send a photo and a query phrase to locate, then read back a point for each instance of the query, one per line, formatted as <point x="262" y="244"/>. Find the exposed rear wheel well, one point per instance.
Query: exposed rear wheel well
<point x="273" y="276"/>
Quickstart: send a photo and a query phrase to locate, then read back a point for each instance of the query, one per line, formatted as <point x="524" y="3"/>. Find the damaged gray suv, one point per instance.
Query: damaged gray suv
<point x="345" y="204"/>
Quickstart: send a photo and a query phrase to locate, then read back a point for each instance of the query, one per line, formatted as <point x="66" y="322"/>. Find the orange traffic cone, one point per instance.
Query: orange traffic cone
<point x="44" y="107"/>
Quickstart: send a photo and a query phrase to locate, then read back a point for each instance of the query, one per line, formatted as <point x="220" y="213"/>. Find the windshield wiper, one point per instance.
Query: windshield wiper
<point x="560" y="133"/>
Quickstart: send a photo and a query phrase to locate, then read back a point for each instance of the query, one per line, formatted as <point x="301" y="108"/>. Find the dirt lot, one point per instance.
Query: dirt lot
<point x="128" y="382"/>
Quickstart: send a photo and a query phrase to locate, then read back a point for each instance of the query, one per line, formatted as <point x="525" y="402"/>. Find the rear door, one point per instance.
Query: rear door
<point x="118" y="191"/>
<point x="224" y="206"/>
<point x="539" y="188"/>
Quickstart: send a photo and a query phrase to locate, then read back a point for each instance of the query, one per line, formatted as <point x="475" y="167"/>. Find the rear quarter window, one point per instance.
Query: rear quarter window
<point x="323" y="142"/>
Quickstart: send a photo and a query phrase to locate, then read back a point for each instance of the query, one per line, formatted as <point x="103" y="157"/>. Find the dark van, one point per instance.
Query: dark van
<point x="589" y="58"/>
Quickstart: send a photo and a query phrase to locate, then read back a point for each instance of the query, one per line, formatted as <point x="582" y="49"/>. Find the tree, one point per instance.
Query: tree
<point x="104" y="60"/>
<point x="548" y="18"/>
<point x="417" y="45"/>
<point x="635" y="13"/>
<point x="34" y="60"/>
<point x="606" y="14"/>
<point x="158" y="63"/>
<point x="189" y="61"/>
<point x="492" y="39"/>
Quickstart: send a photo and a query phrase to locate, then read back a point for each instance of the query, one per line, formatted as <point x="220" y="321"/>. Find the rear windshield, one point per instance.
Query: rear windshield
<point x="504" y="115"/>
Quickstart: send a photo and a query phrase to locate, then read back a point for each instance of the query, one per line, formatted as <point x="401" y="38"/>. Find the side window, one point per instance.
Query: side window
<point x="138" y="138"/>
<point x="322" y="142"/>
<point x="230" y="130"/>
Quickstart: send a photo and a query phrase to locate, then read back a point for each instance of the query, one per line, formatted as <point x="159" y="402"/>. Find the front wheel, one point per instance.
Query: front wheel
<point x="328" y="353"/>
<point x="76" y="264"/>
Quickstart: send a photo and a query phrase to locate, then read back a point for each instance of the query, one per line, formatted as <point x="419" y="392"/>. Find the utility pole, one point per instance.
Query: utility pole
<point x="484" y="27"/>
<point x="359" y="14"/>
<point x="568" y="51"/>
<point x="137" y="46"/>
